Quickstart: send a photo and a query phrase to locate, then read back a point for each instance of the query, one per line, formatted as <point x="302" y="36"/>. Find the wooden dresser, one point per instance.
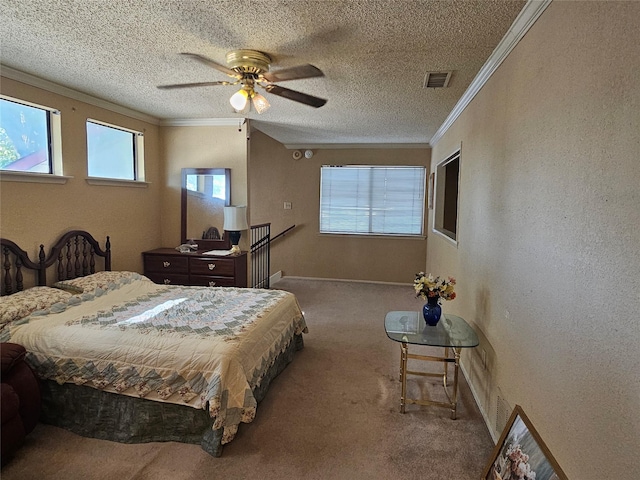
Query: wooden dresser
<point x="168" y="266"/>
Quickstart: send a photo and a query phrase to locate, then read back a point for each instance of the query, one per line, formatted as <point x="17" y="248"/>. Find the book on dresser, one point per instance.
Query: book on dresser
<point x="168" y="266"/>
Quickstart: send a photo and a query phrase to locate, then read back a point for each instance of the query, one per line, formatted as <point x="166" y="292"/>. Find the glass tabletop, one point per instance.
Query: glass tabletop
<point x="410" y="327"/>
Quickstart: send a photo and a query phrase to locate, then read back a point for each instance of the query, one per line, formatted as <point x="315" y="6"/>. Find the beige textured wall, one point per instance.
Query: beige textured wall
<point x="275" y="177"/>
<point x="548" y="262"/>
<point x="201" y="147"/>
<point x="35" y="213"/>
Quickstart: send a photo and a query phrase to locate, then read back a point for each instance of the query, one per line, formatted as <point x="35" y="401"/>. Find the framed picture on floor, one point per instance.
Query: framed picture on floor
<point x="520" y="453"/>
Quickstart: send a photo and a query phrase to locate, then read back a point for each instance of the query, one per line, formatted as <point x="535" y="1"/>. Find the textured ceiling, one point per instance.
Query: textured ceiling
<point x="374" y="54"/>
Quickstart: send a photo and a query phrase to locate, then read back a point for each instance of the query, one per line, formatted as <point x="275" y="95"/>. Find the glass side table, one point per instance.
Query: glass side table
<point x="452" y="333"/>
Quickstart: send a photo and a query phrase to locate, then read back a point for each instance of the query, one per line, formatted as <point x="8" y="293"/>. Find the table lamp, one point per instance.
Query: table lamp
<point x="235" y="220"/>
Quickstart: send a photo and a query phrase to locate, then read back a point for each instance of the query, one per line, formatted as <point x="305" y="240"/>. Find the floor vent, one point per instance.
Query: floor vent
<point x="503" y="412"/>
<point x="436" y="79"/>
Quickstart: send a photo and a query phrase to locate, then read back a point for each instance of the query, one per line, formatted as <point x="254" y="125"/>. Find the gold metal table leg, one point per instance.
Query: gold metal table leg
<point x="401" y="356"/>
<point x="454" y="400"/>
<point x="446" y="368"/>
<point x="403" y="375"/>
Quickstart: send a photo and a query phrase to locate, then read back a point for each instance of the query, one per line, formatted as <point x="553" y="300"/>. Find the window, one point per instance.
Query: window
<point x="446" y="197"/>
<point x="114" y="152"/>
<point x="372" y="200"/>
<point x="30" y="140"/>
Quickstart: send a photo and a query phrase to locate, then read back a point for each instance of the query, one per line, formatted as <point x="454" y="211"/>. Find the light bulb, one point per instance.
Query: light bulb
<point x="260" y="103"/>
<point x="239" y="100"/>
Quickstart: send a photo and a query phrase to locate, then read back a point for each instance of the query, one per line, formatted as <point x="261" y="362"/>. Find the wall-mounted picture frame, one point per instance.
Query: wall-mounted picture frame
<point x="432" y="177"/>
<point x="521" y="454"/>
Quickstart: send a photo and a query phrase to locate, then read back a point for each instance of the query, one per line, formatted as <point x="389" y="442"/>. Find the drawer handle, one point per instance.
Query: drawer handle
<point x="166" y="264"/>
<point x="212" y="284"/>
<point x="167" y="281"/>
<point x="211" y="266"/>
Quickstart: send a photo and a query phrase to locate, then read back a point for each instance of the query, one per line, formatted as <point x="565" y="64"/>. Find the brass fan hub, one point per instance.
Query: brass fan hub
<point x="248" y="61"/>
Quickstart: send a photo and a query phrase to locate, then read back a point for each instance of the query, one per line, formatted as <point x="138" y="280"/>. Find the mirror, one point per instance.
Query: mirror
<point x="205" y="193"/>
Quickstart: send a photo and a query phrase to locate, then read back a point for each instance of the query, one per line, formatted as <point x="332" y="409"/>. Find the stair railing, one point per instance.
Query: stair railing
<point x="261" y="253"/>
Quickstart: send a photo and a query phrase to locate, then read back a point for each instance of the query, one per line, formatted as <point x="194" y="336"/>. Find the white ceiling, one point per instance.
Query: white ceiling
<point x="374" y="54"/>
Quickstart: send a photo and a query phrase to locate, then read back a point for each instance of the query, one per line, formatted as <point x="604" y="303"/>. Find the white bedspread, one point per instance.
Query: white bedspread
<point x="196" y="346"/>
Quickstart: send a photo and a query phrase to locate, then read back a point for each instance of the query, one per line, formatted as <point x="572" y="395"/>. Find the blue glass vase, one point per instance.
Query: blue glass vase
<point x="432" y="311"/>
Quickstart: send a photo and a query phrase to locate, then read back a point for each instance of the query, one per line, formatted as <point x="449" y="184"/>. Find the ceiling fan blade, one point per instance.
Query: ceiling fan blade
<point x="211" y="63"/>
<point x="296" y="96"/>
<point x="294" y="73"/>
<point x="197" y="84"/>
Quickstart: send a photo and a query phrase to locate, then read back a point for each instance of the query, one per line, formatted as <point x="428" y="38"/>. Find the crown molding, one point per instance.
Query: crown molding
<point x="203" y="122"/>
<point x="333" y="146"/>
<point x="523" y="22"/>
<point x="52" y="87"/>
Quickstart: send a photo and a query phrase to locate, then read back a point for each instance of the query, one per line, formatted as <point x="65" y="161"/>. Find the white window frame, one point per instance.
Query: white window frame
<point x="440" y="202"/>
<point x="138" y="158"/>
<point x="55" y="142"/>
<point x="376" y="234"/>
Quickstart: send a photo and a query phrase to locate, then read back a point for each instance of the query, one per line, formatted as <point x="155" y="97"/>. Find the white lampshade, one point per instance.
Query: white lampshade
<point x="260" y="103"/>
<point x="235" y="218"/>
<point x="239" y="100"/>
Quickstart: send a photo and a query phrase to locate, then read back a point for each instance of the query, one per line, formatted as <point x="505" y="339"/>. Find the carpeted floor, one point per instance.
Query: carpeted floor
<point x="332" y="414"/>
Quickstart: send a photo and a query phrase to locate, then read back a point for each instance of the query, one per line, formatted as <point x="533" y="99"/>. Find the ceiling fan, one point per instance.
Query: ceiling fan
<point x="250" y="68"/>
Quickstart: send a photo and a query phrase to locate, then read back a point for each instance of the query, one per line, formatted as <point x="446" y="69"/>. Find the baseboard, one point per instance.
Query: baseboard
<point x="275" y="277"/>
<point x="476" y="399"/>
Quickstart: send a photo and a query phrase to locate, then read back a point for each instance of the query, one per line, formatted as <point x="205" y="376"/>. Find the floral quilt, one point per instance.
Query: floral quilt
<point x="198" y="346"/>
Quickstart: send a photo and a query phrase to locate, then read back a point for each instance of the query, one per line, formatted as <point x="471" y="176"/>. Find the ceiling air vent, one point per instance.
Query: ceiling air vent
<point x="436" y="79"/>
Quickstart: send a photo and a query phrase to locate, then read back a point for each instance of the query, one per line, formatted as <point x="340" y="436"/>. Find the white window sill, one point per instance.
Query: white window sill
<point x="115" y="182"/>
<point x="447" y="235"/>
<point x="373" y="235"/>
<point x="7" y="176"/>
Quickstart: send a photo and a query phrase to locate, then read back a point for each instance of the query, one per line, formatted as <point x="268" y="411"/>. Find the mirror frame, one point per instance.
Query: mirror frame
<point x="205" y="244"/>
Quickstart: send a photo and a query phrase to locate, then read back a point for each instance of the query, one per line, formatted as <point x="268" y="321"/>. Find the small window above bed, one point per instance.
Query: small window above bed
<point x="114" y="153"/>
<point x="30" y="139"/>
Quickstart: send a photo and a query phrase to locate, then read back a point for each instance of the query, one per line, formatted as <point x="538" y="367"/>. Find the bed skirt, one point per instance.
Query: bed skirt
<point x="104" y="415"/>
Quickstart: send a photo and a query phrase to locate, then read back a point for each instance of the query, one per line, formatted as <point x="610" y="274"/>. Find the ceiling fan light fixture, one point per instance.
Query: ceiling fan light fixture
<point x="251" y="68"/>
<point x="260" y="103"/>
<point x="239" y="100"/>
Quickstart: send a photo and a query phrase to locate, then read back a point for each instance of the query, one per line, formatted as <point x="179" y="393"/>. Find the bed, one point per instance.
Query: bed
<point x="122" y="358"/>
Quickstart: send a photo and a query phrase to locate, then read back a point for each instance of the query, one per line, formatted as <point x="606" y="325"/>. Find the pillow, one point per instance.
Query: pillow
<point x="24" y="303"/>
<point x="98" y="281"/>
<point x="71" y="288"/>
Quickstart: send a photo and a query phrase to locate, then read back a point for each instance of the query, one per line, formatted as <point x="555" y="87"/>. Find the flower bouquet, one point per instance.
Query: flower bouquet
<point x="428" y="286"/>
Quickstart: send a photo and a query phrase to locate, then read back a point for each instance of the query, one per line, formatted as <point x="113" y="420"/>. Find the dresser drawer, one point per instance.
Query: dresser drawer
<point x="218" y="267"/>
<point x="168" y="278"/>
<point x="169" y="264"/>
<point x="209" y="281"/>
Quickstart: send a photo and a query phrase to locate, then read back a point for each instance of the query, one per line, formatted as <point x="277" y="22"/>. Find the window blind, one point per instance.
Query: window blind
<point x="372" y="200"/>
